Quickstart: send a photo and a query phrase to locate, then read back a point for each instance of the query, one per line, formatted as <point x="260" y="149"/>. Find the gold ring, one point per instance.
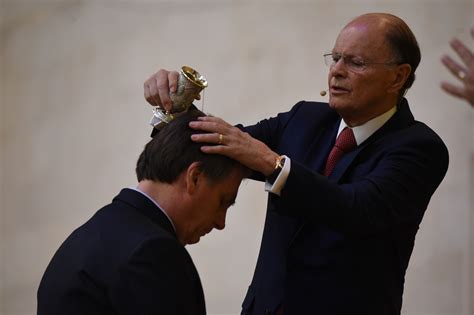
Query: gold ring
<point x="221" y="138"/>
<point x="462" y="74"/>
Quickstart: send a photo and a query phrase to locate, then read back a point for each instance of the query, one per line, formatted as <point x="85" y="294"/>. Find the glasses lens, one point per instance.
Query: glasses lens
<point x="354" y="64"/>
<point x="328" y="59"/>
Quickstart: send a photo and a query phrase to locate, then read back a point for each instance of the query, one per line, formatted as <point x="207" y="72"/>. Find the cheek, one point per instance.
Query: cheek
<point x="360" y="87"/>
<point x="209" y="214"/>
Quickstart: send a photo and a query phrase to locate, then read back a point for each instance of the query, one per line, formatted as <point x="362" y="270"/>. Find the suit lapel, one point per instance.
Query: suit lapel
<point x="344" y="163"/>
<point x="323" y="141"/>
<point x="403" y="117"/>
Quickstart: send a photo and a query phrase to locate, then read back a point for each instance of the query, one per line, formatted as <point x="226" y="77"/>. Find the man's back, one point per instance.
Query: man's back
<point x="126" y="259"/>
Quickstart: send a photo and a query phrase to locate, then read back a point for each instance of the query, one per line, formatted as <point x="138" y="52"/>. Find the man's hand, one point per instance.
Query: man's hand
<point x="465" y="73"/>
<point x="158" y="87"/>
<point x="235" y="144"/>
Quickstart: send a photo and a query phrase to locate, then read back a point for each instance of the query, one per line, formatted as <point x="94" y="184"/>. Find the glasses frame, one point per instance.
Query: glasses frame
<point x="329" y="61"/>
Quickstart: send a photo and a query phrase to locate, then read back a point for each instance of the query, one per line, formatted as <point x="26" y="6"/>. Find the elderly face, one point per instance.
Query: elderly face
<point x="360" y="93"/>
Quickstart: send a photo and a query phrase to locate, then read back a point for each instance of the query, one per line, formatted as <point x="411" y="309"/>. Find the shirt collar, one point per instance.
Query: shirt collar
<point x="156" y="204"/>
<point x="363" y="132"/>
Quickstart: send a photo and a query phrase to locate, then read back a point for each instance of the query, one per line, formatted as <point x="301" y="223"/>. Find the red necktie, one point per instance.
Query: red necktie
<point x="344" y="144"/>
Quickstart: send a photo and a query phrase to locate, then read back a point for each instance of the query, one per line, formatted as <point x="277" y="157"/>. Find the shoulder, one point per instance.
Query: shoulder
<point x="116" y="232"/>
<point x="305" y="108"/>
<point x="161" y="251"/>
<point x="422" y="138"/>
<point x="412" y="149"/>
<point x="416" y="134"/>
<point x="303" y="112"/>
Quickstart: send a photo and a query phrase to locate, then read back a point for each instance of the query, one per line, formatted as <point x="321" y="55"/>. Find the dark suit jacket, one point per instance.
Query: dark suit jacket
<point x="341" y="245"/>
<point x="125" y="260"/>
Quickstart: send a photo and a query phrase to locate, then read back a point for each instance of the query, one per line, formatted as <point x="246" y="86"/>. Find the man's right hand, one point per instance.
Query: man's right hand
<point x="158" y="87"/>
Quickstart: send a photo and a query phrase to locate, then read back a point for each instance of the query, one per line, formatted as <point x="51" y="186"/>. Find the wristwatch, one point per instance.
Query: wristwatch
<point x="279" y="163"/>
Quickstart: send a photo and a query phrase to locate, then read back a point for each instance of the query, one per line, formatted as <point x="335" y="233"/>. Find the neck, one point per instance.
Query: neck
<point x="168" y="197"/>
<point x="355" y="119"/>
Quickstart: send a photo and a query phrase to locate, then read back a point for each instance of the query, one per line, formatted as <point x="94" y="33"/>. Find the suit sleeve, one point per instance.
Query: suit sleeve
<point x="396" y="190"/>
<point x="269" y="132"/>
<point x="156" y="279"/>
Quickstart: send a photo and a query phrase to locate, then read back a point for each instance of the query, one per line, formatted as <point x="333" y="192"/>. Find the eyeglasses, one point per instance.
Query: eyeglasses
<point x="353" y="63"/>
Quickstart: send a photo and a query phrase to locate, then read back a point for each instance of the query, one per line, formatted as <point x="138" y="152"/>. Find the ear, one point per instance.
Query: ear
<point x="194" y="177"/>
<point x="401" y="76"/>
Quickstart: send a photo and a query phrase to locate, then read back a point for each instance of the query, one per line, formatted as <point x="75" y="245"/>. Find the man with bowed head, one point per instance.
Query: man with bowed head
<point x="348" y="181"/>
<point x="129" y="258"/>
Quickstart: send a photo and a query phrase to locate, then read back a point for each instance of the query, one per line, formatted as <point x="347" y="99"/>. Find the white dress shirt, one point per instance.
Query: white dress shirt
<point x="156" y="204"/>
<point x="361" y="133"/>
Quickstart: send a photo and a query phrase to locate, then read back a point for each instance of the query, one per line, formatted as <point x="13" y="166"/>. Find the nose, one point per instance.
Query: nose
<point x="220" y="222"/>
<point x="338" y="68"/>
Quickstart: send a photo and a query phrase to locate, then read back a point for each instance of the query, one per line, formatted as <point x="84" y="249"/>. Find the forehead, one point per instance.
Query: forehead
<point x="363" y="39"/>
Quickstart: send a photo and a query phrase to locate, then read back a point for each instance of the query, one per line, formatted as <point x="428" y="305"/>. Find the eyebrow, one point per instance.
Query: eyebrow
<point x="347" y="55"/>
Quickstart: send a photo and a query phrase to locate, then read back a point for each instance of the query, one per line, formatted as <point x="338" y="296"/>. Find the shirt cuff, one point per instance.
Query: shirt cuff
<point x="280" y="181"/>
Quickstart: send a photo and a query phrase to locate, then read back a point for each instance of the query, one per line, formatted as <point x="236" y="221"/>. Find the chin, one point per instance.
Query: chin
<point x="340" y="106"/>
<point x="193" y="241"/>
<point x="335" y="103"/>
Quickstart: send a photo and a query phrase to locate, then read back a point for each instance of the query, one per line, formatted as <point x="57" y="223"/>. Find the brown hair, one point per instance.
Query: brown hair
<point x="171" y="151"/>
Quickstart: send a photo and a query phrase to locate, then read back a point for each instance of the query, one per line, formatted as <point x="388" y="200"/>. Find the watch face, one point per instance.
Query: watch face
<point x="280" y="162"/>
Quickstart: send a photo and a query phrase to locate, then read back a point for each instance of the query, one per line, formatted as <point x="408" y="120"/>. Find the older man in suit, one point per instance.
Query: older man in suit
<point x="129" y="258"/>
<point x="348" y="181"/>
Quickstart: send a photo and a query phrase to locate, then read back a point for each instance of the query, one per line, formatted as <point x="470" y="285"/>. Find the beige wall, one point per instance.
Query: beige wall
<point x="73" y="121"/>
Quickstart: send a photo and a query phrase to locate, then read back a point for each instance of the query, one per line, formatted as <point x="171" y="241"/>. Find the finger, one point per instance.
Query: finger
<point x="151" y="94"/>
<point x="453" y="90"/>
<point x="209" y="126"/>
<point x="173" y="81"/>
<point x="217" y="149"/>
<point x="198" y="97"/>
<point x="463" y="52"/>
<point x="162" y="89"/>
<point x="148" y="96"/>
<point x="453" y="67"/>
<point x="153" y="88"/>
<point x="153" y="97"/>
<point x="222" y="150"/>
<point x="214" y="119"/>
<point x="216" y="138"/>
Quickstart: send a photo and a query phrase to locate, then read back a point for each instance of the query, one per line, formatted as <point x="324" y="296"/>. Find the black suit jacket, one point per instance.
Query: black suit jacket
<point x="125" y="260"/>
<point x="341" y="245"/>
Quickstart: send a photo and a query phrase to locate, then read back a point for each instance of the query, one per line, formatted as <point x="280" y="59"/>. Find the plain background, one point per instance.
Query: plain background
<point x="73" y="121"/>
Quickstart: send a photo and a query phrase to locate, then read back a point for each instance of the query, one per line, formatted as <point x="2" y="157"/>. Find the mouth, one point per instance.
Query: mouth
<point x="338" y="90"/>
